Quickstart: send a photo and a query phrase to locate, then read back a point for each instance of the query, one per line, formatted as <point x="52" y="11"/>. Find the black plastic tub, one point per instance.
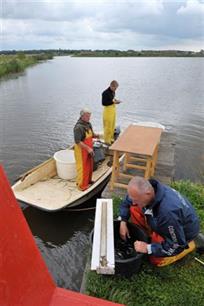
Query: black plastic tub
<point x="127" y="266"/>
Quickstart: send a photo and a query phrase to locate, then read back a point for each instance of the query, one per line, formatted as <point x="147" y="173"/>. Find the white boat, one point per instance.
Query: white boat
<point x="42" y="188"/>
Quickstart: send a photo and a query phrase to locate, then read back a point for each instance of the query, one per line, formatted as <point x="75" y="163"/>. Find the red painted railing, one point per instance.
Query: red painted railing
<point x="24" y="277"/>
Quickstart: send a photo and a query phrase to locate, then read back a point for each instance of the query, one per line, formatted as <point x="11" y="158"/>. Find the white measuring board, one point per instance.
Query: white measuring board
<point x="103" y="258"/>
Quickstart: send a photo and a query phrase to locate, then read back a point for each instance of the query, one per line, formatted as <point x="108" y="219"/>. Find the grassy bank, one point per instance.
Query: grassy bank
<point x="18" y="63"/>
<point x="178" y="284"/>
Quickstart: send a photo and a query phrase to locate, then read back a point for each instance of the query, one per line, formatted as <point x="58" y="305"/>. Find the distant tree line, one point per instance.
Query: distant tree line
<point x="142" y="53"/>
<point x="109" y="53"/>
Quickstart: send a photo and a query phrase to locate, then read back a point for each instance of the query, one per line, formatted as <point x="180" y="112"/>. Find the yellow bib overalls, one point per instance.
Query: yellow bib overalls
<point x="109" y="119"/>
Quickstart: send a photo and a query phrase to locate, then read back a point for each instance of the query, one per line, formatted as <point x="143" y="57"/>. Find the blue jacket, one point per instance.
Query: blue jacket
<point x="171" y="216"/>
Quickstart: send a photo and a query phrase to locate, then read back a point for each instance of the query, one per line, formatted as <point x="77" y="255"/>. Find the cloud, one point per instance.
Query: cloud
<point x="163" y="21"/>
<point x="191" y="7"/>
<point x="41" y="10"/>
<point x="74" y="9"/>
<point x="101" y="24"/>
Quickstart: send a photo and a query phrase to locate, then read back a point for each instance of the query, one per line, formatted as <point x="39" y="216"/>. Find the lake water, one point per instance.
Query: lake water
<point x="39" y="108"/>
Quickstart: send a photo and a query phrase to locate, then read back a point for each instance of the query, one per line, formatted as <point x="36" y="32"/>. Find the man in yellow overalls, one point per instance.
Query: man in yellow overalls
<point x="83" y="149"/>
<point x="109" y="112"/>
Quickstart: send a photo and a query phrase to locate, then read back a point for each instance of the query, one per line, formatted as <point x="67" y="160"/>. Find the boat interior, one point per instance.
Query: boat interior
<point x="43" y="188"/>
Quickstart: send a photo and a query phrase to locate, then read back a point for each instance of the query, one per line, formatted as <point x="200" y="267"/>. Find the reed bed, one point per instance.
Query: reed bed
<point x="19" y="62"/>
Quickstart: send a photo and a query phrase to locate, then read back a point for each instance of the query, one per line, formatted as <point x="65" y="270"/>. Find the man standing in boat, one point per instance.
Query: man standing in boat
<point x="83" y="149"/>
<point x="109" y="112"/>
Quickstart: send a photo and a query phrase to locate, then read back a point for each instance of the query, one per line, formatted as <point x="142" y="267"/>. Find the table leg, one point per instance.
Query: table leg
<point x="154" y="160"/>
<point x="115" y="169"/>
<point x="126" y="159"/>
<point x="117" y="164"/>
<point x="148" y="168"/>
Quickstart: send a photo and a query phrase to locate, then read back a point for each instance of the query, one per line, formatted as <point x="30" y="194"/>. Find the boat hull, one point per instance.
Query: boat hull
<point x="40" y="187"/>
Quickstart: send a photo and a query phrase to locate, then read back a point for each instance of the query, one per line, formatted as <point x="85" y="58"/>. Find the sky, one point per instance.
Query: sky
<point x="102" y="24"/>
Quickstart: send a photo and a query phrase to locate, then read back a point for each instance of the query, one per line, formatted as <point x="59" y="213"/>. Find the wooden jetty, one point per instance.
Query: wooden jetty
<point x="164" y="170"/>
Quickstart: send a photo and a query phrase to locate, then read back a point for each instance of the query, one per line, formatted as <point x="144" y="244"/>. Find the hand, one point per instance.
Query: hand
<point x="124" y="232"/>
<point x="117" y="101"/>
<point x="90" y="151"/>
<point x="140" y="246"/>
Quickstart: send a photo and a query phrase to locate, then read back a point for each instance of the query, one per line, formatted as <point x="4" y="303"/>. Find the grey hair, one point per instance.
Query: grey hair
<point x="84" y="111"/>
<point x="142" y="185"/>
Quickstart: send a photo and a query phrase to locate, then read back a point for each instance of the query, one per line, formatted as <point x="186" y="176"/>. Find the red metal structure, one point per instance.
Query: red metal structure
<point x="24" y="277"/>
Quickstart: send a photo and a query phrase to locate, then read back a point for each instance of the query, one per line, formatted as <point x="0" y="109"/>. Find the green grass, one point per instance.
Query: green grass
<point x="179" y="284"/>
<point x="18" y="63"/>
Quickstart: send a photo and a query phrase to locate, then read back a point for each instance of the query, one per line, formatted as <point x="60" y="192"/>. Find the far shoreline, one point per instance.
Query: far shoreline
<point x="12" y="61"/>
<point x="106" y="53"/>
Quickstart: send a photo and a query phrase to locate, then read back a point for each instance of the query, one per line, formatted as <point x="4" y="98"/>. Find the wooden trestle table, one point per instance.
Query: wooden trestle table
<point x="139" y="144"/>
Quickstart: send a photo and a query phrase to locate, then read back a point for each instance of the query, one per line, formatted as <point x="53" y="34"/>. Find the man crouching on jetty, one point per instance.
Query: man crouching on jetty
<point x="168" y="218"/>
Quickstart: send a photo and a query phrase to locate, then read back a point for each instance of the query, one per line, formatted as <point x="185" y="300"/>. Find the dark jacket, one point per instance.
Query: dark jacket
<point x="80" y="130"/>
<point x="171" y="216"/>
<point x="107" y="97"/>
